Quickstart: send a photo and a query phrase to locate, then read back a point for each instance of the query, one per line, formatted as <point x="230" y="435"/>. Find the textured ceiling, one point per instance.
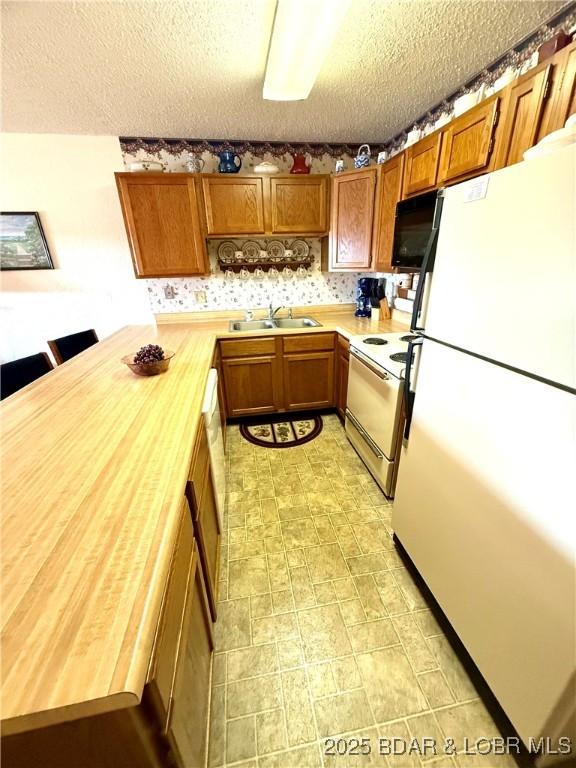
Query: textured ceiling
<point x="195" y="69"/>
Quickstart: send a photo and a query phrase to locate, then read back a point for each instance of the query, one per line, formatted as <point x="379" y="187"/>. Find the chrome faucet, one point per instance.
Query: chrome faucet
<point x="272" y="312"/>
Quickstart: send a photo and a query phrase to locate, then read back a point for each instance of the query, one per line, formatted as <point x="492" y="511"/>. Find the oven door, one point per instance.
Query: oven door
<point x="374" y="400"/>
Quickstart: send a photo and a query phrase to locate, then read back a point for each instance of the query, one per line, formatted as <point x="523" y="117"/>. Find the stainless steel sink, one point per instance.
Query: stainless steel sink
<point x="269" y="325"/>
<point x="252" y="325"/>
<point x="296" y="322"/>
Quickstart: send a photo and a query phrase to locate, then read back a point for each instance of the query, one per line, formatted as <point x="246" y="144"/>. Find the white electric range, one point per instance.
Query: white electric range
<point x="374" y="413"/>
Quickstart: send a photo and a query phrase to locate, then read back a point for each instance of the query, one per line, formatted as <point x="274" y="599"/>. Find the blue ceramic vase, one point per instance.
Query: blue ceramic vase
<point x="229" y="162"/>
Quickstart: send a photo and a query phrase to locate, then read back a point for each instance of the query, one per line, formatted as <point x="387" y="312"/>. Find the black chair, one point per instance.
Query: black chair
<point x="19" y="373"/>
<point x="67" y="347"/>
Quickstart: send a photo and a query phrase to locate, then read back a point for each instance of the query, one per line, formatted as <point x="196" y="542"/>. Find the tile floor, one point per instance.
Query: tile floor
<point x="322" y="632"/>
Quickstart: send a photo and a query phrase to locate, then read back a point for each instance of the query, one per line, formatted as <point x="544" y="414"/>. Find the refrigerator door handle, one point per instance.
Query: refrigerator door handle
<point x="427" y="263"/>
<point x="408" y="394"/>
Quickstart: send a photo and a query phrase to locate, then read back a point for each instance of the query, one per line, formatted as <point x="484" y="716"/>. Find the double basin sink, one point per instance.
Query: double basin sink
<point x="270" y="325"/>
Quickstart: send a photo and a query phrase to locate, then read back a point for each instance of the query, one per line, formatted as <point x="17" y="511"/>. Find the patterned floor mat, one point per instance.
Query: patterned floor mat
<point x="280" y="432"/>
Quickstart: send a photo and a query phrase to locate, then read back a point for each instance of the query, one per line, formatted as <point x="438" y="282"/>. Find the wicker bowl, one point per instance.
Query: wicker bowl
<point x="149" y="369"/>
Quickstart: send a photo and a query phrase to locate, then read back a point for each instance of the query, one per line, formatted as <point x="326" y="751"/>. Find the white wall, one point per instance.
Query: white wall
<point x="69" y="180"/>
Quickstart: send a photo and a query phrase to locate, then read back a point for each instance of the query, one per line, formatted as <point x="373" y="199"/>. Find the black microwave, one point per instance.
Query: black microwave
<point x="412" y="230"/>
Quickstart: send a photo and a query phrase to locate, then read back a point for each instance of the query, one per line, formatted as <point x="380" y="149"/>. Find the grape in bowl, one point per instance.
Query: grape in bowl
<point x="150" y="360"/>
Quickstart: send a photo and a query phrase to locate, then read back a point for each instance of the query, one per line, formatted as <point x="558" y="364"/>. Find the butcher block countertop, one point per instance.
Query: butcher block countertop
<point x="94" y="465"/>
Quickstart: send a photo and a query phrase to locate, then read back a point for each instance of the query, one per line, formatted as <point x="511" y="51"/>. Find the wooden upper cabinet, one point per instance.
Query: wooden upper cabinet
<point x="468" y="142"/>
<point x="421" y="165"/>
<point x="352" y="220"/>
<point x="523" y="109"/>
<point x="234" y="204"/>
<point x="164" y="222"/>
<point x="562" y="100"/>
<point x="388" y="193"/>
<point x="299" y="205"/>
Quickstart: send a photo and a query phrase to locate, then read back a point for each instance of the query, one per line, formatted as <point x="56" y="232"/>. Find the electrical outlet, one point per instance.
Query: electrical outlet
<point x="200" y="297"/>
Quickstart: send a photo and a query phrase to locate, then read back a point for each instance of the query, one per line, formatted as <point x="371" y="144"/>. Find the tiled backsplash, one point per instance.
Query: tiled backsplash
<point x="184" y="294"/>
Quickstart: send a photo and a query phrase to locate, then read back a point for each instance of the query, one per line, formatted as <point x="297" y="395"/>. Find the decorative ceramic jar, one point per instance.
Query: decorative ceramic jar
<point x="362" y="159"/>
<point x="194" y="164"/>
<point x="301" y="163"/>
<point x="266" y="167"/>
<point x="413" y="136"/>
<point x="229" y="162"/>
<point x="146" y="166"/>
<point x="382" y="157"/>
<point x="339" y="166"/>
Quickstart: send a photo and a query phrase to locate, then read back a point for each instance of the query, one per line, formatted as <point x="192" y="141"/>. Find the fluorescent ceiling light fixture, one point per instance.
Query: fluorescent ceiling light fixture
<point x="302" y="35"/>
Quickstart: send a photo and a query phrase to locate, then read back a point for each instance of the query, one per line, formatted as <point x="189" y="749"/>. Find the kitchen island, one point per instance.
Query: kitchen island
<point x="95" y="462"/>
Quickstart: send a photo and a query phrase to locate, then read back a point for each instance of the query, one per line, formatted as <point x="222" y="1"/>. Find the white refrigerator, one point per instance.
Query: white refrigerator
<point x="485" y="503"/>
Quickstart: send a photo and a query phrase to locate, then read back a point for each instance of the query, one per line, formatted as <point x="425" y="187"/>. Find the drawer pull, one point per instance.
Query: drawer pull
<point x="369" y="442"/>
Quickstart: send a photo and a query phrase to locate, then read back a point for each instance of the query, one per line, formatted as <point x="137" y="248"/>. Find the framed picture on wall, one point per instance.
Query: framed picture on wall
<point x="22" y="242"/>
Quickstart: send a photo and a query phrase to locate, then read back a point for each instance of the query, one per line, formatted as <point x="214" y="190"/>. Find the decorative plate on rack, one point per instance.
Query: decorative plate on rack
<point x="226" y="250"/>
<point x="300" y="249"/>
<point x="251" y="250"/>
<point x="276" y="249"/>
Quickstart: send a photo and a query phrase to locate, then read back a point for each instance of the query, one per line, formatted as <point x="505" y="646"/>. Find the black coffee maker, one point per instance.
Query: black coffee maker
<point x="370" y="291"/>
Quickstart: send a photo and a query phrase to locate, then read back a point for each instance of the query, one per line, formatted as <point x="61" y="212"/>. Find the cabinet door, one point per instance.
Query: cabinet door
<point x="234" y="205"/>
<point x="388" y="193"/>
<point x="299" y="205"/>
<point x="563" y="96"/>
<point x="164" y="222"/>
<point x="421" y="166"/>
<point x="308" y="380"/>
<point x="523" y="107"/>
<point x="202" y="501"/>
<point x="468" y="142"/>
<point x="188" y="726"/>
<point x="352" y="220"/>
<point x="252" y="385"/>
<point x="167" y="641"/>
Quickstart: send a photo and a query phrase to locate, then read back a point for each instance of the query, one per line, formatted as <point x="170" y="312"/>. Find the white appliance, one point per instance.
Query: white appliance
<point x="212" y="421"/>
<point x="485" y="502"/>
<point x="374" y="402"/>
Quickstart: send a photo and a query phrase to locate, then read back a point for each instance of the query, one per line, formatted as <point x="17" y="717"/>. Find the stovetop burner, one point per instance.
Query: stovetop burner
<point x="374" y="340"/>
<point x="399" y="357"/>
<point x="408" y="338"/>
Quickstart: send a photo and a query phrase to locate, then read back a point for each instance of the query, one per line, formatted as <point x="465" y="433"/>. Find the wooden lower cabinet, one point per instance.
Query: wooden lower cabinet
<point x="308" y="380"/>
<point x="169" y="728"/>
<point x="251" y="385"/>
<point x="296" y="372"/>
<point x="201" y="498"/>
<point x="187" y="730"/>
<point x="342" y="365"/>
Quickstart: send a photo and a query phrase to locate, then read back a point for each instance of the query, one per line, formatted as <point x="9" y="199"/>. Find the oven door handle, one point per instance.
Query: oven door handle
<point x="369" y="442"/>
<point x="359" y="356"/>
